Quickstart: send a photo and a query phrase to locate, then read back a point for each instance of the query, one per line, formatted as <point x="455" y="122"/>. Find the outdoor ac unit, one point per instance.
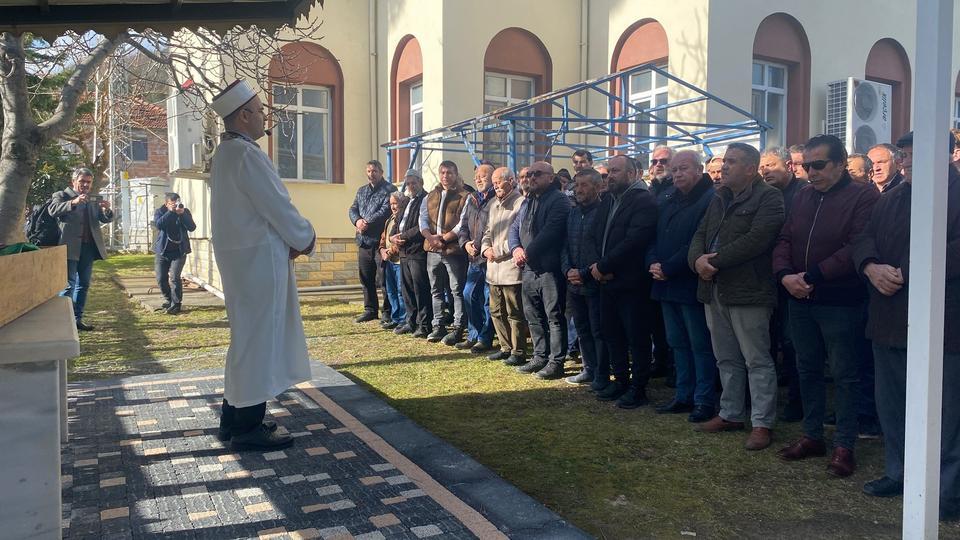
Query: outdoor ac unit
<point x="184" y="131"/>
<point x="858" y="113"/>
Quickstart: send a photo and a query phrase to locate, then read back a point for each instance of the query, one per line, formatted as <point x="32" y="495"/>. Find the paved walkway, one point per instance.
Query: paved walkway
<point x="143" y="461"/>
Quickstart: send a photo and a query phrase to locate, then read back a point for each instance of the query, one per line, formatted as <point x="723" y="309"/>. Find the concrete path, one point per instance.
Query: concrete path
<point x="144" y="462"/>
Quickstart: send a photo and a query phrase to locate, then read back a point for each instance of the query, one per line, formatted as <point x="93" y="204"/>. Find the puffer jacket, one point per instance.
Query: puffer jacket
<point x="500" y="217"/>
<point x="578" y="251"/>
<point x="678" y="220"/>
<point x="741" y="229"/>
<point x="371" y="203"/>
<point x="817" y="239"/>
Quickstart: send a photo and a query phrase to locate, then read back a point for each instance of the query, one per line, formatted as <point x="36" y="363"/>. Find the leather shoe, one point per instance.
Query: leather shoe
<point x="613" y="391"/>
<point x="389" y="325"/>
<point x="515" y="360"/>
<point x="842" y="464"/>
<point x="803" y="448"/>
<point x="584" y="377"/>
<point x="760" y="438"/>
<point x="366" y="316"/>
<point x="84" y="327"/>
<point x="883" y="487"/>
<point x="480" y="347"/>
<point x="674" y="407"/>
<point x="633" y="398"/>
<point x="261" y="438"/>
<point x="718" y="424"/>
<point x="464" y="345"/>
<point x="224" y="434"/>
<point x="533" y="365"/>
<point x="438" y="334"/>
<point x="401" y="330"/>
<point x="454" y="337"/>
<point x="701" y="413"/>
<point x="499" y="355"/>
<point x="553" y="370"/>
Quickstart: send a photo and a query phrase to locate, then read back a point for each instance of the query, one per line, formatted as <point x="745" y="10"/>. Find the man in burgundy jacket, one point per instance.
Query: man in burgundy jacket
<point x="813" y="261"/>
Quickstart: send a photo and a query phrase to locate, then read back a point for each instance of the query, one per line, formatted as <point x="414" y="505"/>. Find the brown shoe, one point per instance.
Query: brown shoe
<point x="804" y="447"/>
<point x="718" y="424"/>
<point x="842" y="464"/>
<point x="760" y="438"/>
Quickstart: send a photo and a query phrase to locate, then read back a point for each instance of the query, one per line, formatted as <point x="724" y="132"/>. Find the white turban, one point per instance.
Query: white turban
<point x="232" y="98"/>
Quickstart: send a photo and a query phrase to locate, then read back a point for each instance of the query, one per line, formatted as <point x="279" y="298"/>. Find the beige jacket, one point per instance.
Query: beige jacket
<point x="501" y="271"/>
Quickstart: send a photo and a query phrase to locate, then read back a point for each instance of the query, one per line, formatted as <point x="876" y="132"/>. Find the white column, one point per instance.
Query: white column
<point x="928" y="218"/>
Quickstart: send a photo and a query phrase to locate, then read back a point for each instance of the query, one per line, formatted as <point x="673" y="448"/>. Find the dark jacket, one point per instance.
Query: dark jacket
<point x="892" y="183"/>
<point x="741" y="229"/>
<point x="72" y="220"/>
<point x="661" y="188"/>
<point x="371" y="203"/>
<point x="886" y="240"/>
<point x="817" y="239"/>
<point x="790" y="192"/>
<point x="679" y="216"/>
<point x="578" y="251"/>
<point x="413" y="247"/>
<point x="631" y="231"/>
<point x="172" y="229"/>
<point x="543" y="229"/>
<point x="474" y="222"/>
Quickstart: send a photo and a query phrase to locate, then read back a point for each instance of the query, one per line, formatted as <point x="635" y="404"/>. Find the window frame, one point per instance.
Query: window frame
<point x="652" y="94"/>
<point x="298" y="109"/>
<point x="507" y="101"/>
<point x="956" y="112"/>
<point x="415" y="109"/>
<point x="766" y="89"/>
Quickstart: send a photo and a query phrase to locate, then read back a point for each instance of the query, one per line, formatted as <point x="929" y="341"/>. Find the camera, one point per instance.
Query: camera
<point x="94" y="198"/>
<point x="180" y="205"/>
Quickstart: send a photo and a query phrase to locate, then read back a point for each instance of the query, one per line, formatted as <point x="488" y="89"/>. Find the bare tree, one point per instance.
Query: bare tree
<point x="152" y="64"/>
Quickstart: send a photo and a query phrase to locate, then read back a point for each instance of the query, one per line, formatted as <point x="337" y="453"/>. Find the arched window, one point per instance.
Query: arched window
<point x="781" y="79"/>
<point x="516" y="67"/>
<point x="643" y="42"/>
<point x="307" y="140"/>
<point x="406" y="99"/>
<point x="888" y="63"/>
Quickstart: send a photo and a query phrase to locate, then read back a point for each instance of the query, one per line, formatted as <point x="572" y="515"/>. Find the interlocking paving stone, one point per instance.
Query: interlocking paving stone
<point x="141" y="465"/>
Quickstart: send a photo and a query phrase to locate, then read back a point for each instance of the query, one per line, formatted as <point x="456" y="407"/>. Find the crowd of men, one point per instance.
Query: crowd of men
<point x="752" y="270"/>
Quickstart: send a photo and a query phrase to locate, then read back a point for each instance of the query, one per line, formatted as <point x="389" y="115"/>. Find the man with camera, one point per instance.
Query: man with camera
<point x="80" y="214"/>
<point x="173" y="221"/>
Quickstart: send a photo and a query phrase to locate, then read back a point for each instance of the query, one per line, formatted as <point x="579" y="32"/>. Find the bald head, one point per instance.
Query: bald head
<point x="686" y="167"/>
<point x="541" y="176"/>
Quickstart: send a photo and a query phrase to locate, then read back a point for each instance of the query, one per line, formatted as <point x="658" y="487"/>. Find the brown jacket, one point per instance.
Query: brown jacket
<point x="453" y="206"/>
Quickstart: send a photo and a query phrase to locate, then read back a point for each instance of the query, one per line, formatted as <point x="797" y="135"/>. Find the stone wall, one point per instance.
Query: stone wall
<point x="334" y="262"/>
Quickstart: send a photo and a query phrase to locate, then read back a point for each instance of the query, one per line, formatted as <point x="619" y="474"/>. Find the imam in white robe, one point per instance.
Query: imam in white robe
<point x="254" y="224"/>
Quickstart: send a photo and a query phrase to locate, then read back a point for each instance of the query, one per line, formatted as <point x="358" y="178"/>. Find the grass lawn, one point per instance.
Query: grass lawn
<point x="614" y="473"/>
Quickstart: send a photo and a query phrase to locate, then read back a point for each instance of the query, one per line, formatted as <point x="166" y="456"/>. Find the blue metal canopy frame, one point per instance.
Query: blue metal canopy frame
<point x="542" y="123"/>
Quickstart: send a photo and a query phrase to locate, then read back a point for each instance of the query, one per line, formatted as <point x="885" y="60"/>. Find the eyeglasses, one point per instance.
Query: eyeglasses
<point x="663" y="161"/>
<point x="817" y="165"/>
<point x="535" y="174"/>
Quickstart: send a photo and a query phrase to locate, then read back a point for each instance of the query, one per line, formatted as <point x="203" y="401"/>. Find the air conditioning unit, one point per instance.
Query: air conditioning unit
<point x="858" y="113"/>
<point x="184" y="131"/>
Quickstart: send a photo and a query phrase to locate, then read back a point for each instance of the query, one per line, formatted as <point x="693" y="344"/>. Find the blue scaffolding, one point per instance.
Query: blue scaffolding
<point x="540" y="124"/>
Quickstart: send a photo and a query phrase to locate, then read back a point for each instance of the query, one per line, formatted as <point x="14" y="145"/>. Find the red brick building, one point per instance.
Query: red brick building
<point x="148" y="141"/>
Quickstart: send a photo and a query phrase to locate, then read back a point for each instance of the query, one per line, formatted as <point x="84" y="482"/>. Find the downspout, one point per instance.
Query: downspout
<point x="374" y="86"/>
<point x="585" y="57"/>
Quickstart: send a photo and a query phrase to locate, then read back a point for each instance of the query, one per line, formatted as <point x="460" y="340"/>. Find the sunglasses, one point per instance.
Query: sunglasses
<point x="817" y="165"/>
<point x="663" y="161"/>
<point x="535" y="174"/>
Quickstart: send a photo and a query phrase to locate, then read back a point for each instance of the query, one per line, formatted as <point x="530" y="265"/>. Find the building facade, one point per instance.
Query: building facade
<point x="386" y="69"/>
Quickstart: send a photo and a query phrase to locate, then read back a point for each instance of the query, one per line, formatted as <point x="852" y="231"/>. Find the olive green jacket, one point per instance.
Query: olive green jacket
<point x="742" y="230"/>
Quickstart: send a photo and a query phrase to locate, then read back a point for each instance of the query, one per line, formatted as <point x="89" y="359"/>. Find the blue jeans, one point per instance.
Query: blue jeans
<point x="827" y="334"/>
<point x="476" y="299"/>
<point x="79" y="273"/>
<point x="168" y="268"/>
<point x="393" y="280"/>
<point x="689" y="338"/>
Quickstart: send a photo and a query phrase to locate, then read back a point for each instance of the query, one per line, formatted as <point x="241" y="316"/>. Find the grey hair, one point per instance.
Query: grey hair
<point x="715" y="158"/>
<point x="400" y="197"/>
<point x="779" y="152"/>
<point x="895" y="152"/>
<point x="669" y="150"/>
<point x="867" y="162"/>
<point x="697" y="157"/>
<point x="80" y="172"/>
<point x="751" y="154"/>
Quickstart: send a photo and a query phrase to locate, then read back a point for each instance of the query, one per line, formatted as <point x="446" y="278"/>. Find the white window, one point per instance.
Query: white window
<point x="648" y="89"/>
<point x="500" y="91"/>
<point x="416" y="118"/>
<point x="769" y="99"/>
<point x="956" y="113"/>
<point x="302" y="137"/>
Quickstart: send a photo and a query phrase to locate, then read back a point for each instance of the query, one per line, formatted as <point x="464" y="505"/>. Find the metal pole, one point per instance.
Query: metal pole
<point x="928" y="223"/>
<point x="512" y="146"/>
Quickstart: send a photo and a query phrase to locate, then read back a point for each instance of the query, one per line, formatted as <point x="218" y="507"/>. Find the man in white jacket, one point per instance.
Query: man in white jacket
<point x="256" y="234"/>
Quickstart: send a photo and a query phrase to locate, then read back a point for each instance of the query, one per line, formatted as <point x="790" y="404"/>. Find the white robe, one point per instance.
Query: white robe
<point x="254" y="224"/>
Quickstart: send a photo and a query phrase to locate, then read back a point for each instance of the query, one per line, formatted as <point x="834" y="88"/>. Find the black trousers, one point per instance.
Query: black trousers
<point x="416" y="291"/>
<point x="661" y="350"/>
<point x="544" y="299"/>
<point x="240" y="420"/>
<point x="367" y="261"/>
<point x="626" y="329"/>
